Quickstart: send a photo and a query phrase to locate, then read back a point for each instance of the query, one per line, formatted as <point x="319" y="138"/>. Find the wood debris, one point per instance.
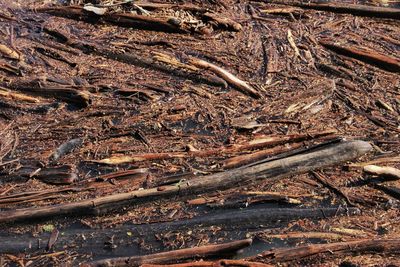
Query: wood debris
<point x="199" y="133"/>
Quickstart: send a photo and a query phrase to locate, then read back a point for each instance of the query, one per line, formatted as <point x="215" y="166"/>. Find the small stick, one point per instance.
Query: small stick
<point x="227" y="76"/>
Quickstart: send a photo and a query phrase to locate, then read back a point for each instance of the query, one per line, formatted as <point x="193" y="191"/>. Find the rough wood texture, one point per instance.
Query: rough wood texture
<point x="274" y="169"/>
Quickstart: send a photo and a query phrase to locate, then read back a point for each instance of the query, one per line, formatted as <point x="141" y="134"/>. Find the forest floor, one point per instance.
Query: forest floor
<point x="182" y="124"/>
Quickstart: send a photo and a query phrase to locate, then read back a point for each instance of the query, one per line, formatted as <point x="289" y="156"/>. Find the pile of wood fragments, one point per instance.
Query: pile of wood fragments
<point x="199" y="133"/>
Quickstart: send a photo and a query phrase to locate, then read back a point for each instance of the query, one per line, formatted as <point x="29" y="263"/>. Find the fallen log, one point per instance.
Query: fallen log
<point x="331" y="155"/>
<point x="384" y="246"/>
<point x="347" y="8"/>
<point x="175" y="255"/>
<point x="219" y="263"/>
<point x="245" y="219"/>
<point x="365" y="55"/>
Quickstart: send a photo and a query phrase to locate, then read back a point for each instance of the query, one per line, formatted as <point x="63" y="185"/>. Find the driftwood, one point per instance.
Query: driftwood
<point x="348" y="8"/>
<point x="241" y="160"/>
<point x="219" y="263"/>
<point x="366" y="55"/>
<point x="64" y="174"/>
<point x="71" y="94"/>
<point x="384" y="172"/>
<point x="331" y="155"/>
<point x="175" y="255"/>
<point x="303" y="235"/>
<point x="385" y="246"/>
<point x="158" y="61"/>
<point x="120" y="19"/>
<point x="260" y="142"/>
<point x="4" y="93"/>
<point x="227" y="76"/>
<point x="245" y="219"/>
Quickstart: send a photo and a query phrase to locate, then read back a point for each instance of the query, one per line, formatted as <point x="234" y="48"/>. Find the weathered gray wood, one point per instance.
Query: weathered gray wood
<point x="301" y="163"/>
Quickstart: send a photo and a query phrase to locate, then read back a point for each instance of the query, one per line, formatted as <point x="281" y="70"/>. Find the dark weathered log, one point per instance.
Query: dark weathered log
<point x="348" y="8"/>
<point x="334" y="250"/>
<point x="239" y="220"/>
<point x="175" y="255"/>
<point x="366" y="55"/>
<point x="323" y="157"/>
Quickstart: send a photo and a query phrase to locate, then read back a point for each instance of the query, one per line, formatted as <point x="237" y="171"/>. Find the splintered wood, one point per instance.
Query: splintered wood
<point x="199" y="133"/>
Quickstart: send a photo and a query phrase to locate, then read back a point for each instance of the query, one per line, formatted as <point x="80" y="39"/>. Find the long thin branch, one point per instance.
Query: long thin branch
<point x="354" y="9"/>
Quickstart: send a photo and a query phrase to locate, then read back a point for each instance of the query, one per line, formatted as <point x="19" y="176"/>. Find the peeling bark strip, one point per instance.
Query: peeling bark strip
<point x="333" y="249"/>
<point x="354" y="9"/>
<point x="366" y="55"/>
<point x="331" y="155"/>
<point x="261" y="142"/>
<point x="174" y="255"/>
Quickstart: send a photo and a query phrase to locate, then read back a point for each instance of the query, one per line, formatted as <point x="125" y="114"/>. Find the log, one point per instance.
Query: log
<point x="331" y="155"/>
<point x="333" y="249"/>
<point x="219" y="263"/>
<point x="245" y="220"/>
<point x="365" y="55"/>
<point x="175" y="255"/>
<point x="347" y="8"/>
